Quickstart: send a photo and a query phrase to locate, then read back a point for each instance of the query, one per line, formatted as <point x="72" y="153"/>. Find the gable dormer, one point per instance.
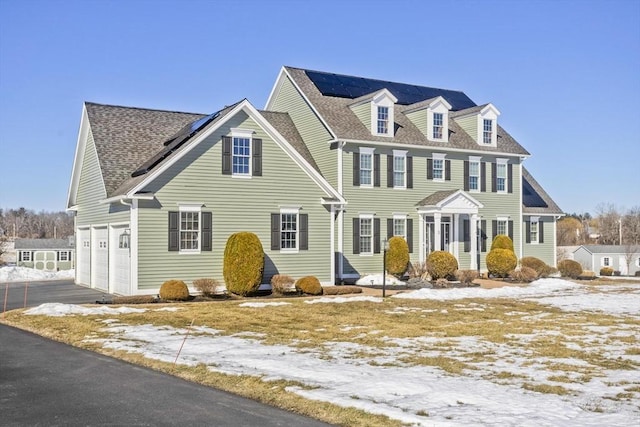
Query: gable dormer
<point x="481" y="123"/>
<point x="432" y="118"/>
<point x="376" y="112"/>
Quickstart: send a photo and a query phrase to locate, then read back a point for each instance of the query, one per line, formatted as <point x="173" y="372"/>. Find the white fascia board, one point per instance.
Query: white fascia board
<point x="431" y="148"/>
<point x="440" y="100"/>
<point x="284" y="73"/>
<point x="81" y="145"/>
<point x="489" y="108"/>
<point x="114" y="199"/>
<point x="275" y="88"/>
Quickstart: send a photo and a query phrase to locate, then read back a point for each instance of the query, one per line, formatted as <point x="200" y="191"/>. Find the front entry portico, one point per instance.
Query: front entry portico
<point x="441" y="215"/>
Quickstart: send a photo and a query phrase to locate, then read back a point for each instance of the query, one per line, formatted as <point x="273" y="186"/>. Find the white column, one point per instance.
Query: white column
<point x="437" y="218"/>
<point x="134" y="247"/>
<point x="332" y="243"/>
<point x="473" y="237"/>
<point x="421" y="240"/>
<point x="455" y="235"/>
<point x="340" y="243"/>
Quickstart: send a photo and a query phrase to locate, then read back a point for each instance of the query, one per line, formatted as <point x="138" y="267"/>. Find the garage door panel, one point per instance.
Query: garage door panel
<point x="84" y="257"/>
<point x="100" y="259"/>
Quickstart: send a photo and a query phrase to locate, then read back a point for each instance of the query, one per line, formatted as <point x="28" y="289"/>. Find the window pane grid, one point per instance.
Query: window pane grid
<point x="438" y="166"/>
<point x="399" y="227"/>
<point x="383" y="119"/>
<point x="366" y="235"/>
<point x="502" y="227"/>
<point x="288" y="231"/>
<point x="189" y="230"/>
<point x="437" y="125"/>
<point x="365" y="169"/>
<point x="501" y="177"/>
<point x="398" y="171"/>
<point x="487" y="134"/>
<point x="474" y="175"/>
<point x="534" y="232"/>
<point x="241" y="155"/>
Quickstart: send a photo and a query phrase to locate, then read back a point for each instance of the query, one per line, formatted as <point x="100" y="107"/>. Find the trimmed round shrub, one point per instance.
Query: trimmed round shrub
<point x="243" y="263"/>
<point x="524" y="275"/>
<point x="309" y="285"/>
<point x="570" y="268"/>
<point x="174" y="290"/>
<point x="397" y="256"/>
<point x="500" y="262"/>
<point x="502" y="241"/>
<point x="441" y="265"/>
<point x="606" y="271"/>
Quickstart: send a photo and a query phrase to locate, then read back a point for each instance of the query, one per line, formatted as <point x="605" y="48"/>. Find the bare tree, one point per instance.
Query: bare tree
<point x="24" y="223"/>
<point x="631" y="226"/>
<point x="608" y="219"/>
<point x="569" y="231"/>
<point x="630" y="251"/>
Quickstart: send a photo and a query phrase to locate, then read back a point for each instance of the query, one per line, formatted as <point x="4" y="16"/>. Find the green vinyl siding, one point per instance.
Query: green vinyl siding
<point x="363" y="113"/>
<point x="544" y="251"/>
<point x="385" y="202"/>
<point x="237" y="204"/>
<point x="470" y="125"/>
<point x="419" y="119"/>
<point x="313" y="132"/>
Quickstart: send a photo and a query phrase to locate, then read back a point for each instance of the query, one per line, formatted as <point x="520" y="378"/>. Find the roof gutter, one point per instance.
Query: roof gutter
<point x="123" y="197"/>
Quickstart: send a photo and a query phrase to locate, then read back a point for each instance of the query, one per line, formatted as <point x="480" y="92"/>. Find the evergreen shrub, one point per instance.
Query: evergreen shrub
<point x="540" y="267"/>
<point x="174" y="290"/>
<point x="502" y="241"/>
<point x="309" y="285"/>
<point x="441" y="265"/>
<point x="606" y="271"/>
<point x="570" y="268"/>
<point x="243" y="263"/>
<point x="500" y="262"/>
<point x="397" y="256"/>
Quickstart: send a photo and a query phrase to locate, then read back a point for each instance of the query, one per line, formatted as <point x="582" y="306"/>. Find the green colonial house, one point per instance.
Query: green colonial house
<point x="333" y="166"/>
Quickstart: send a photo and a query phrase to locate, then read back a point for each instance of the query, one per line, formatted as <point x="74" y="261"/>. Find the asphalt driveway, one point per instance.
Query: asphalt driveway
<point x="43" y="382"/>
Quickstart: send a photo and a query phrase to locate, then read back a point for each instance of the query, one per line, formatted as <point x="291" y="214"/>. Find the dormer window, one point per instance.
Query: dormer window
<point x="437" y="125"/>
<point x="383" y="120"/>
<point x="487" y="131"/>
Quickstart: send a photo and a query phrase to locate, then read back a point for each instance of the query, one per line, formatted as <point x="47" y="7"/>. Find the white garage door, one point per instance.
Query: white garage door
<point x="84" y="257"/>
<point x="100" y="258"/>
<point x="120" y="260"/>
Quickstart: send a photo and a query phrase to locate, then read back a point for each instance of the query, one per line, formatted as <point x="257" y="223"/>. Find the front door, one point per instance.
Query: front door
<point x="430" y="235"/>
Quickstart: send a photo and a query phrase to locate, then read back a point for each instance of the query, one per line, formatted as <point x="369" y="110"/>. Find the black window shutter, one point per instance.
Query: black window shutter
<point x="540" y="231"/>
<point x="510" y="227"/>
<point x="410" y="234"/>
<point x="389" y="228"/>
<point x="304" y="231"/>
<point x="19" y="255"/>
<point x="494" y="167"/>
<point x="226" y="155"/>
<point x="528" y="232"/>
<point x="429" y="168"/>
<point x="510" y="178"/>
<point x="494" y="229"/>
<point x="376" y="170"/>
<point x="275" y="231"/>
<point x="356" y="169"/>
<point x="466" y="235"/>
<point x="389" y="171"/>
<point x="356" y="235"/>
<point x="483" y="228"/>
<point x="466" y="175"/>
<point x="483" y="177"/>
<point x="174" y="231"/>
<point x="409" y="172"/>
<point x="447" y="170"/>
<point x="257" y="157"/>
<point x="376" y="235"/>
<point x="206" y="231"/>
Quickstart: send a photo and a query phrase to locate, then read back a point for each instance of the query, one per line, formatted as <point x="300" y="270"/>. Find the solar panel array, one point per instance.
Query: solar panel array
<point x="530" y="198"/>
<point x="342" y="86"/>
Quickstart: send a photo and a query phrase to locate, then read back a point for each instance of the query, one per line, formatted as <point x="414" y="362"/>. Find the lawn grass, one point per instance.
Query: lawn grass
<point x="462" y="337"/>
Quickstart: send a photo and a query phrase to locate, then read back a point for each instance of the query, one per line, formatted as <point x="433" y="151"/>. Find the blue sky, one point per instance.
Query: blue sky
<point x="564" y="74"/>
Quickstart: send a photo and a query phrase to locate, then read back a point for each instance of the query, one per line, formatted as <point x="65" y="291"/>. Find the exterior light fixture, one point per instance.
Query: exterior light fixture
<point x="124" y="239"/>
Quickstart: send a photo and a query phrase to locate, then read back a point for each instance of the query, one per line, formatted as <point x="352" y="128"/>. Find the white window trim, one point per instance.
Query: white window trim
<point x="489" y="113"/>
<point x="67" y="256"/>
<point x="504" y="162"/>
<point x="29" y="256"/>
<point x="439" y="156"/>
<point x="296" y="211"/>
<point x="383" y="99"/>
<point x="403" y="154"/>
<point x="242" y="133"/>
<point x="478" y="160"/>
<point x="368" y="151"/>
<point x="504" y="219"/>
<point x="402" y="217"/>
<point x="438" y="107"/>
<point x="370" y="217"/>
<point x="534" y="220"/>
<point x="189" y="207"/>
<point x="605" y="264"/>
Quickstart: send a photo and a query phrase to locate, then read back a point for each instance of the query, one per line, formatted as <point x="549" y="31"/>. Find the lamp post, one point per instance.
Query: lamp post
<point x="385" y="245"/>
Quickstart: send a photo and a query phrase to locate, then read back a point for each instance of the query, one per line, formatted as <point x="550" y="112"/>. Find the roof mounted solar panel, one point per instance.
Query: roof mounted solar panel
<point x="175" y="142"/>
<point x="530" y="198"/>
<point x="342" y="86"/>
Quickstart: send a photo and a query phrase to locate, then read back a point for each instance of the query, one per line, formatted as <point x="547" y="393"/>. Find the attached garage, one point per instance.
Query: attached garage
<point x="100" y="258"/>
<point x="120" y="260"/>
<point x="83" y="266"/>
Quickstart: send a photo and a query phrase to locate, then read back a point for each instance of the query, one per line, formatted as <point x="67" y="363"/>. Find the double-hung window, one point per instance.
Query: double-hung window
<point x="438" y="169"/>
<point x="241" y="155"/>
<point x="474" y="175"/>
<point x="383" y="120"/>
<point x="437" y="125"/>
<point x="366" y="235"/>
<point x="534" y="231"/>
<point x="64" y="256"/>
<point x="366" y="167"/>
<point x="501" y="177"/>
<point x="399" y="169"/>
<point x="501" y="226"/>
<point x="289" y="230"/>
<point x="606" y="261"/>
<point x="189" y="230"/>
<point x="400" y="227"/>
<point x="487" y="131"/>
<point x="26" y="256"/>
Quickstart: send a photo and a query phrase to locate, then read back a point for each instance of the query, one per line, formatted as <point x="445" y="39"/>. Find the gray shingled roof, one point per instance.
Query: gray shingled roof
<point x="36" y="244"/>
<point x="128" y="137"/>
<point x="605" y="249"/>
<point x="125" y="137"/>
<point x="551" y="209"/>
<point x="435" y="198"/>
<point x="346" y="125"/>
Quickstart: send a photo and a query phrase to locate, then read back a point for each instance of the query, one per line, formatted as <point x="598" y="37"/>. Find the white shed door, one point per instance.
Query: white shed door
<point x="623" y="265"/>
<point x="84" y="257"/>
<point x="100" y="259"/>
<point x="120" y="261"/>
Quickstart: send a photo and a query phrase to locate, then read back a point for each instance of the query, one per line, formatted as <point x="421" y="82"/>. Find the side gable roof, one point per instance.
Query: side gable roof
<point x="534" y="199"/>
<point x="344" y="124"/>
<point x="37" y="244"/>
<point x="604" y="249"/>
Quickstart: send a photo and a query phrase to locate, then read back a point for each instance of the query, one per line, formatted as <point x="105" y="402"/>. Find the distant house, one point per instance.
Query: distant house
<point x="45" y="254"/>
<point x="595" y="257"/>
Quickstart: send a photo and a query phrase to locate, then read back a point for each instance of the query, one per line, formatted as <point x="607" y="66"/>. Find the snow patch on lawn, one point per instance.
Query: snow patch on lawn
<point x="342" y="300"/>
<point x="262" y="304"/>
<point x="23" y="274"/>
<point x="56" y="309"/>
